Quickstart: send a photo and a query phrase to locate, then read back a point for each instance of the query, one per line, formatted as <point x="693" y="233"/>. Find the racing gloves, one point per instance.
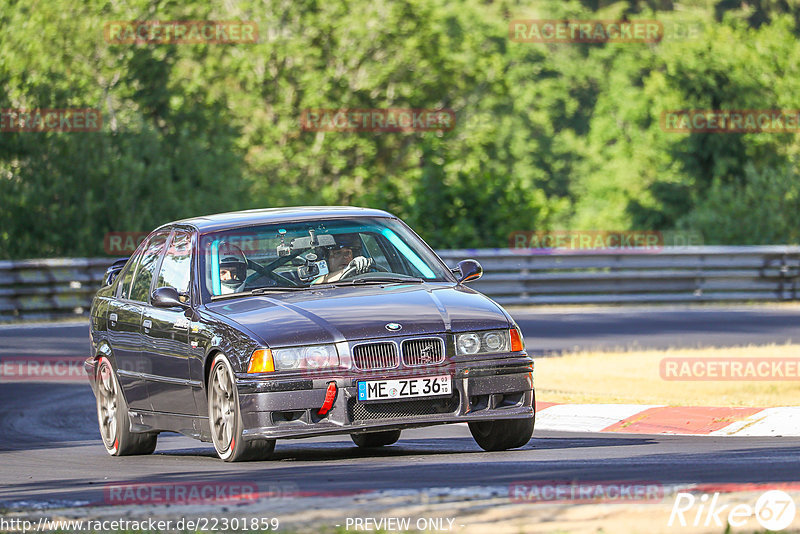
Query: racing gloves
<point x="360" y="264"/>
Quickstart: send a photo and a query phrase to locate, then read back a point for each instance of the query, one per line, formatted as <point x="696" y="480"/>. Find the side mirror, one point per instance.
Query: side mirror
<point x="469" y="270"/>
<point x="167" y="297"/>
<point x="113" y="271"/>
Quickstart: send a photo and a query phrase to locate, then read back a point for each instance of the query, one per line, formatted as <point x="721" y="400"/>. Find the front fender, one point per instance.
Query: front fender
<point x="90" y="364"/>
<point x="214" y="336"/>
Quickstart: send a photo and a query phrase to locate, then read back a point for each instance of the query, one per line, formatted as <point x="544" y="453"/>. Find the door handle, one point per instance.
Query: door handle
<point x="112" y="317"/>
<point x="147" y="324"/>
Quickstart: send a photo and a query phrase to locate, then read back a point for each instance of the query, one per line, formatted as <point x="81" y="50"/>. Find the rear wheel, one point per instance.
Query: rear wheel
<point x="375" y="439"/>
<point x="113" y="419"/>
<point x="502" y="434"/>
<point x="225" y="418"/>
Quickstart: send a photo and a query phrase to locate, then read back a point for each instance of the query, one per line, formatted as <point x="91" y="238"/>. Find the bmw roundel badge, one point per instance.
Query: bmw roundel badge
<point x="393" y="327"/>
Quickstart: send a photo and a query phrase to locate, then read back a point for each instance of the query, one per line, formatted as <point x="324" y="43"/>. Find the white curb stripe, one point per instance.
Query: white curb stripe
<point x="586" y="417"/>
<point x="783" y="421"/>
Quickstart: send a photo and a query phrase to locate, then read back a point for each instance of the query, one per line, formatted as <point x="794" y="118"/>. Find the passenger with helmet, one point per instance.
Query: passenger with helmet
<point x="343" y="257"/>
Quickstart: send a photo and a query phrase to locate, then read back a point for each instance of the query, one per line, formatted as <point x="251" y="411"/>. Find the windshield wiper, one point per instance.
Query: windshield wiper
<point x="257" y="291"/>
<point x="380" y="280"/>
<point x="262" y="290"/>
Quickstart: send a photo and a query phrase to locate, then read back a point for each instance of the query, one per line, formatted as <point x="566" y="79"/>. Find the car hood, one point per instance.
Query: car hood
<point x="353" y="313"/>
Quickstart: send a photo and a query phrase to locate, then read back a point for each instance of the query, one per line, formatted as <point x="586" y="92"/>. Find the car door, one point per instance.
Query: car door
<point x="136" y="369"/>
<point x="124" y="322"/>
<point x="165" y="332"/>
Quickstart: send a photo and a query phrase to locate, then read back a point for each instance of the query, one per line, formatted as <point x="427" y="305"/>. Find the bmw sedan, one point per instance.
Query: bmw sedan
<point x="243" y="328"/>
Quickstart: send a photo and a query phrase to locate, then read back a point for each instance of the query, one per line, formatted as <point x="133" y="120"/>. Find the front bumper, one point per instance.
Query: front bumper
<point x="289" y="408"/>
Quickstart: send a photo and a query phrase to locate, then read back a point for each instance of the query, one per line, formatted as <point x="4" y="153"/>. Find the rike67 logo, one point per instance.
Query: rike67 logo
<point x="774" y="510"/>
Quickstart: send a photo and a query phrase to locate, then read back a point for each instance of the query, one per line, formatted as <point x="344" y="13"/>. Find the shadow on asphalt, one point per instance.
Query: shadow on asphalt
<point x="317" y="469"/>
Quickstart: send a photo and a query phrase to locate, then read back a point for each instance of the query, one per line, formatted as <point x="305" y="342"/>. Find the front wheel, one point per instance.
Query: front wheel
<point x="375" y="439"/>
<point x="112" y="416"/>
<point x="225" y="418"/>
<point x="502" y="434"/>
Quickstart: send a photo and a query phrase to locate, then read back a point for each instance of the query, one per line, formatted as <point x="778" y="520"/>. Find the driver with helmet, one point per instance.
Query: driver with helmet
<point x="232" y="274"/>
<point x="343" y="257"/>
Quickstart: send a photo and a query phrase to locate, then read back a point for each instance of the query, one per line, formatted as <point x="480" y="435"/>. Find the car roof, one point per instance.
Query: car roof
<point x="237" y="219"/>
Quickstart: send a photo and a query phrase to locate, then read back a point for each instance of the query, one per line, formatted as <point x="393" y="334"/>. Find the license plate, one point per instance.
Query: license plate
<point x="404" y="388"/>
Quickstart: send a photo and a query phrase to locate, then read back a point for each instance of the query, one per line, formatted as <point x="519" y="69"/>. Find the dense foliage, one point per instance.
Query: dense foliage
<point x="548" y="136"/>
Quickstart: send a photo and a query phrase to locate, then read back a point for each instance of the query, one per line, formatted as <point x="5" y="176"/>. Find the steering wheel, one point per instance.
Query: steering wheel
<point x="352" y="271"/>
<point x="261" y="272"/>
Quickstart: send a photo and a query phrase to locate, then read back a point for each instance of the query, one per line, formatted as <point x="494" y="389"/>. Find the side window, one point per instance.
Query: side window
<point x="125" y="277"/>
<point x="375" y="251"/>
<point x="140" y="288"/>
<point x="176" y="268"/>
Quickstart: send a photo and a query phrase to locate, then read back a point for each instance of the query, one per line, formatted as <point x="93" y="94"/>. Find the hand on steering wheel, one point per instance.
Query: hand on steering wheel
<point x="361" y="265"/>
<point x="357" y="265"/>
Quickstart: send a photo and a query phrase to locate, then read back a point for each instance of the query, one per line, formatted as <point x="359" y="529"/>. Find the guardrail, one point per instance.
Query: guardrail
<point x="684" y="274"/>
<point x="52" y="288"/>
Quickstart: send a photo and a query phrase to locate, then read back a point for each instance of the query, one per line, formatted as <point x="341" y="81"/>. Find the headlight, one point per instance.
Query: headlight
<point x="494" y="341"/>
<point x="483" y="342"/>
<point x="321" y="356"/>
<point x="468" y="343"/>
<point x="314" y="357"/>
<point x="287" y="358"/>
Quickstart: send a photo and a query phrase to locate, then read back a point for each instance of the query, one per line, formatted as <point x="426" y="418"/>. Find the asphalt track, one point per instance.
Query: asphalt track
<point x="51" y="452"/>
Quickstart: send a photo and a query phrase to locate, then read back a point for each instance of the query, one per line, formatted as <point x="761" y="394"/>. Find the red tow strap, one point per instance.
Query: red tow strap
<point x="330" y="396"/>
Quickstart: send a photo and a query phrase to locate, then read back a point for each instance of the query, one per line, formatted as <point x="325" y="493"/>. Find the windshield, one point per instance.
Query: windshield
<point x="319" y="253"/>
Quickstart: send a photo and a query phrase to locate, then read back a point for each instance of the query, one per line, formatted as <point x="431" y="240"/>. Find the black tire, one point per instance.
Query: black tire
<point x="225" y="418"/>
<point x="375" y="439"/>
<point x="502" y="434"/>
<point x="113" y="419"/>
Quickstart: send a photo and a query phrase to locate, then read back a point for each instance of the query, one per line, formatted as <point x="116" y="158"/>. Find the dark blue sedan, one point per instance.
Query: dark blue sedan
<point x="243" y="328"/>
